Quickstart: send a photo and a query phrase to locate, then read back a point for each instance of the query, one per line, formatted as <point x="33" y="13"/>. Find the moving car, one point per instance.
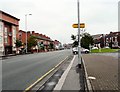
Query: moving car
<point x="83" y="50"/>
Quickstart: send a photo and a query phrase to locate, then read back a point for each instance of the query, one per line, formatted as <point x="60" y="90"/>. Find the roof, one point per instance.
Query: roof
<point x="9" y="15"/>
<point x="43" y="38"/>
<point x="113" y="34"/>
<point x="97" y="36"/>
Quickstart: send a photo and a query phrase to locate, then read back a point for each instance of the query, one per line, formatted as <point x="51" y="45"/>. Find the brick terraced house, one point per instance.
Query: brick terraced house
<point x="42" y="40"/>
<point x="9" y="26"/>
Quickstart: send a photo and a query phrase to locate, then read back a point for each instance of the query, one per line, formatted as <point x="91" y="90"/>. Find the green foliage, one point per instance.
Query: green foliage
<point x="51" y="46"/>
<point x="73" y="37"/>
<point x="75" y="43"/>
<point x="18" y="43"/>
<point x="41" y="46"/>
<point x="32" y="42"/>
<point x="86" y="40"/>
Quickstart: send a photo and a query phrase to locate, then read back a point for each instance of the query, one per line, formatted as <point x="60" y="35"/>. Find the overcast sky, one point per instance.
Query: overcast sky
<point x="54" y="18"/>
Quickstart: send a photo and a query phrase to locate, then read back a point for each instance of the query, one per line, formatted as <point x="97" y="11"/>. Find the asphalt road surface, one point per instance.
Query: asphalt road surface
<point x="19" y="72"/>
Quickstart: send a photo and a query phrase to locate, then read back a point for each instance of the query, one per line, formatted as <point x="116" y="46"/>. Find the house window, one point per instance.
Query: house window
<point x="6" y="35"/>
<point x="112" y="39"/>
<point x="106" y="39"/>
<point x="14" y="31"/>
<point x="6" y="40"/>
<point x="0" y="39"/>
<point x="115" y="39"/>
<point x="20" y="34"/>
<point x="1" y="33"/>
<point x="0" y="28"/>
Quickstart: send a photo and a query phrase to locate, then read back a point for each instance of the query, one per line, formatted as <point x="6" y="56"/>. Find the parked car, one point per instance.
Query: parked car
<point x="83" y="50"/>
<point x="94" y="48"/>
<point x="106" y="47"/>
<point x="75" y="50"/>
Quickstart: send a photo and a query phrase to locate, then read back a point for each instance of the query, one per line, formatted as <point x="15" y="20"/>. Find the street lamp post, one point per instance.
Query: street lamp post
<point x="79" y="45"/>
<point x="26" y="29"/>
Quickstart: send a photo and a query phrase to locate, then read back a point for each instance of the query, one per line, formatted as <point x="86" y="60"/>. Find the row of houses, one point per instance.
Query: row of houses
<point x="43" y="41"/>
<point x="111" y="40"/>
<point x="9" y="33"/>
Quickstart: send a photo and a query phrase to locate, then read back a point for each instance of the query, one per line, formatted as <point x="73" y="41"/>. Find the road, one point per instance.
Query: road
<point x="19" y="72"/>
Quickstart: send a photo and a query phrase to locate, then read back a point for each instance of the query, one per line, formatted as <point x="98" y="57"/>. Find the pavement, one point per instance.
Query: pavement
<point x="73" y="78"/>
<point x="100" y="74"/>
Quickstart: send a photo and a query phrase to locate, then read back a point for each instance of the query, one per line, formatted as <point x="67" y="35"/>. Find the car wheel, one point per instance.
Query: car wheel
<point x="86" y="52"/>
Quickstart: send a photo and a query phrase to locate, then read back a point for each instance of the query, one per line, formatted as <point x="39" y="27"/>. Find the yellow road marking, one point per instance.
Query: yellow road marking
<point x="27" y="89"/>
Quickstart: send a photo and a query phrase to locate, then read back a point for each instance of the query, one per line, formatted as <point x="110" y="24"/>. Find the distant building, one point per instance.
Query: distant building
<point x="9" y="26"/>
<point x="112" y="39"/>
<point x="67" y="46"/>
<point x="57" y="44"/>
<point x="97" y="39"/>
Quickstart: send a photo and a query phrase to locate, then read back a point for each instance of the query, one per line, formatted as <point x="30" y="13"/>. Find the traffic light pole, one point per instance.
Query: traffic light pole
<point x="79" y="45"/>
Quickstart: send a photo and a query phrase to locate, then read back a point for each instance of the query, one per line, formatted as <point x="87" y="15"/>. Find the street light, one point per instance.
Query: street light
<point x="79" y="45"/>
<point x="26" y="28"/>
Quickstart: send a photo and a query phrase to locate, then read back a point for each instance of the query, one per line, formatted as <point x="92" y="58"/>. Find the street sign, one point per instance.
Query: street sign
<point x="82" y="25"/>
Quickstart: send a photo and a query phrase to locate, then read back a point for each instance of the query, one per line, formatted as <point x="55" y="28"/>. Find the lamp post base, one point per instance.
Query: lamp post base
<point x="79" y="65"/>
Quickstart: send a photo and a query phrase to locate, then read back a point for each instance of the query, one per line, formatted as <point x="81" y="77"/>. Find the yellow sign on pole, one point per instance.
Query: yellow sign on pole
<point x="82" y="25"/>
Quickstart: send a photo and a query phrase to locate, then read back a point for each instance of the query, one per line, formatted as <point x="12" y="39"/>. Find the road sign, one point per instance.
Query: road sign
<point x="82" y="25"/>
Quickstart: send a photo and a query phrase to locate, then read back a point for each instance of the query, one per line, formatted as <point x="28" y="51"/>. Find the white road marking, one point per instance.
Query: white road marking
<point x="63" y="77"/>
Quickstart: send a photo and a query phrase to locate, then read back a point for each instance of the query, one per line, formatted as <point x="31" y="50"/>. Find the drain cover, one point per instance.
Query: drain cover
<point x="51" y="83"/>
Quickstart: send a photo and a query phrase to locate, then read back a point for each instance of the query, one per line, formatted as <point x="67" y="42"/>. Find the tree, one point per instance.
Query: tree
<point x="86" y="40"/>
<point x="73" y="37"/>
<point x="51" y="46"/>
<point x="41" y="45"/>
<point x="18" y="43"/>
<point x="75" y="43"/>
<point x="31" y="42"/>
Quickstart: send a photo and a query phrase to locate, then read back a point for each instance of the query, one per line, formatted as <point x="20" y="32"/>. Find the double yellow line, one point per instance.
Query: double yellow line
<point x="32" y="85"/>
